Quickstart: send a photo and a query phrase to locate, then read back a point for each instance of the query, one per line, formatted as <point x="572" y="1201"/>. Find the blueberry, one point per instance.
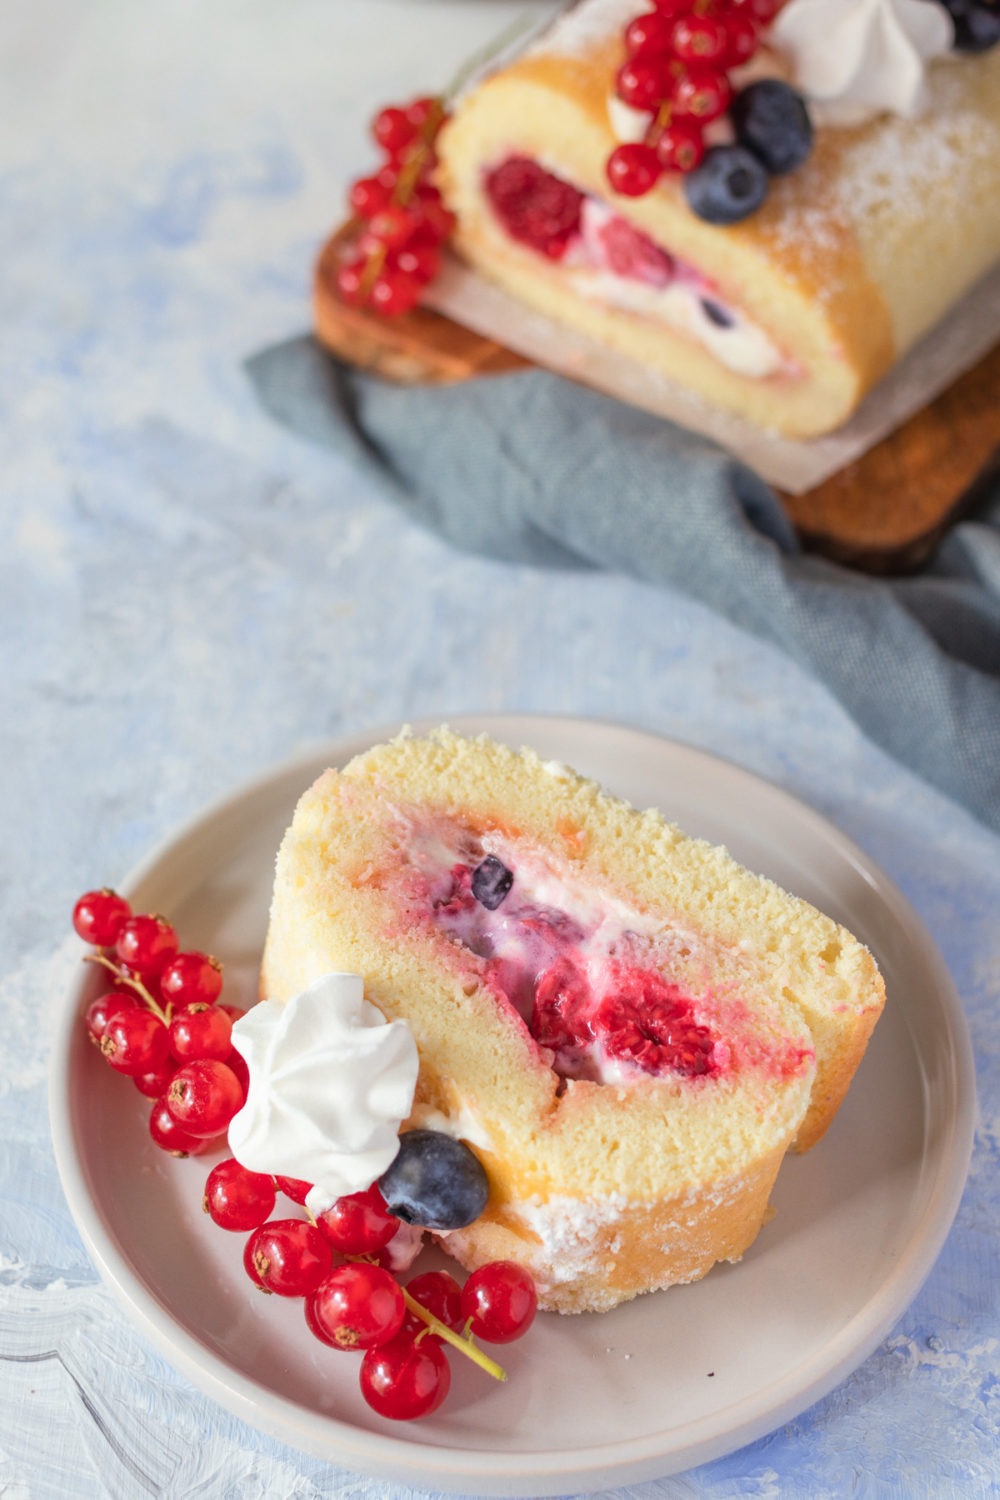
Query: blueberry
<point x="977" y="24"/>
<point x="434" y="1181"/>
<point x="491" y="880"/>
<point x="728" y="185"/>
<point x="772" y="121"/>
<point x="716" y="314"/>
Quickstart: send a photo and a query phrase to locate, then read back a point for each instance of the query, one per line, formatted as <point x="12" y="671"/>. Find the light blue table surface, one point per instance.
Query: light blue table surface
<point x="190" y="595"/>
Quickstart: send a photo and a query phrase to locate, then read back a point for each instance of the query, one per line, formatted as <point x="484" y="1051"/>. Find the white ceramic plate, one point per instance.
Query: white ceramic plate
<point x="656" y="1386"/>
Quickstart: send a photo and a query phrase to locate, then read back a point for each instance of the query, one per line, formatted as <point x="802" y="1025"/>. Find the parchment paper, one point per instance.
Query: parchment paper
<point x="954" y="346"/>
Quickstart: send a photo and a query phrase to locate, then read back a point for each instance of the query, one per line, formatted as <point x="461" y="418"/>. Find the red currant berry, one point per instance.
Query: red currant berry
<point x="441" y="1295"/>
<point x="762" y="11"/>
<point x="421" y="262"/>
<point x="643" y="83"/>
<point x="359" y="1223"/>
<point x="681" y="146"/>
<point x="192" y="979"/>
<point x="499" y="1300"/>
<point x="288" y="1256"/>
<point x="699" y="38"/>
<point x="358" y="1307"/>
<point x="703" y="93"/>
<point x="404" y="1380"/>
<point x="236" y="1198"/>
<point x="237" y="1063"/>
<point x="426" y="116"/>
<point x="99" y="1011"/>
<point x="393" y="129"/>
<point x="674" y="7"/>
<point x="203" y="1097"/>
<point x="155" y="1084"/>
<point x="146" y="944"/>
<point x="393" y="294"/>
<point x="649" y="36"/>
<point x="392" y="226"/>
<point x="135" y="1041"/>
<point x="294" y="1188"/>
<point x="233" y="1012"/>
<point x="170" y="1136"/>
<point x="369" y="195"/>
<point x="99" y="916"/>
<point x="741" y="40"/>
<point x="633" y="170"/>
<point x="201" y="1031"/>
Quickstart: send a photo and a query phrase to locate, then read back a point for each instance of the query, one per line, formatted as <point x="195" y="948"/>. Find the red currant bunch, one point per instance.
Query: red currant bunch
<point x="678" y="58"/>
<point x="159" y="1025"/>
<point x="400" y="217"/>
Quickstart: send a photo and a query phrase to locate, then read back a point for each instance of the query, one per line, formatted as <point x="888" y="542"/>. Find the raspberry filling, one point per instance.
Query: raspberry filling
<point x="569" y="961"/>
<point x="609" y="261"/>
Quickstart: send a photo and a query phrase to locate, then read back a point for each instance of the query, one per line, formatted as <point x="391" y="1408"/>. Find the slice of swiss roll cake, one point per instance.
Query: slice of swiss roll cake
<point x="627" y="1028"/>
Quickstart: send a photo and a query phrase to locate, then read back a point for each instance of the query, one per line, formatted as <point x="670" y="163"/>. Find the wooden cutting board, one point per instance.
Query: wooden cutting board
<point x="883" y="514"/>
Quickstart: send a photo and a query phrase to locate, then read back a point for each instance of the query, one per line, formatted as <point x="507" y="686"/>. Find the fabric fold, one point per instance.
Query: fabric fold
<point x="528" y="467"/>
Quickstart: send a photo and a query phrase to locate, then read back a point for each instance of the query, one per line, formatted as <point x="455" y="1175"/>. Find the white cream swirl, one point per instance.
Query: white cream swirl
<point x="331" y="1081"/>
<point x="858" y="58"/>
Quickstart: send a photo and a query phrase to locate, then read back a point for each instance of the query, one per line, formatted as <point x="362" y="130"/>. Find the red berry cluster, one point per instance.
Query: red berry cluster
<point x="353" y="1301"/>
<point x="161" y="1025"/>
<point x="400" y="216"/>
<point x="678" y="59"/>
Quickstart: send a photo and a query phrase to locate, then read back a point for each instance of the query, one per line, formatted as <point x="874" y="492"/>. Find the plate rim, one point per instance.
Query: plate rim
<point x="456" y="1468"/>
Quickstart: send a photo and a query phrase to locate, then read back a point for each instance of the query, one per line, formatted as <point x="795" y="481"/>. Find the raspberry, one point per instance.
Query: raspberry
<point x="562" y="998"/>
<point x="535" y="207"/>
<point x="648" y="1022"/>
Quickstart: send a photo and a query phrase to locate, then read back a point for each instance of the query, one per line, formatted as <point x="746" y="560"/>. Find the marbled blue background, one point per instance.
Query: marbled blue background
<point x="189" y="595"/>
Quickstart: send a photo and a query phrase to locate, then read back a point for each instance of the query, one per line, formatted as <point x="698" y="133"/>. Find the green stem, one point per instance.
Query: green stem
<point x="466" y="1345"/>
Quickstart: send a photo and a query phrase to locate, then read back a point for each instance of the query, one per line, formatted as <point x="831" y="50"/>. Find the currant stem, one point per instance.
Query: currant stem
<point x="456" y="1340"/>
<point x="133" y="984"/>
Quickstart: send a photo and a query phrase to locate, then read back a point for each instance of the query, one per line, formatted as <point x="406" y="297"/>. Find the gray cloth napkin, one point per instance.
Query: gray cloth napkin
<point x="531" y="468"/>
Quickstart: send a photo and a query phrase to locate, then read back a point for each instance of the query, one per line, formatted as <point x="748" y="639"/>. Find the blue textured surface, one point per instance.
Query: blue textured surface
<point x="184" y="604"/>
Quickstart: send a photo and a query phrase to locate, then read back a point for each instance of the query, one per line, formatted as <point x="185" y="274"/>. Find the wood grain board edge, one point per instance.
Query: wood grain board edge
<point x="882" y="514"/>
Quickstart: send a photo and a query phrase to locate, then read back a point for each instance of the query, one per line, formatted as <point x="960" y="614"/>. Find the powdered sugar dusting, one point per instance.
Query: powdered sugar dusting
<point x="570" y="1231"/>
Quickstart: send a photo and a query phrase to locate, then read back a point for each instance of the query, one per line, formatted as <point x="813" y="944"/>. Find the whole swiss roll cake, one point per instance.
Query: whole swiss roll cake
<point x="779" y="284"/>
<point x="627" y="1028"/>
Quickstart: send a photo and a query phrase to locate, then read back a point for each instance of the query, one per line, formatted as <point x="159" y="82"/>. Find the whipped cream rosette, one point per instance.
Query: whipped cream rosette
<point x="331" y="1082"/>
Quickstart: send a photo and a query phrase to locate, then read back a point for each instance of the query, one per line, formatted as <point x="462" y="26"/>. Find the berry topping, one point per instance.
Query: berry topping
<point x="499" y="1301"/>
<point x="294" y="1188"/>
<point x="170" y="1136"/>
<point x="700" y="38"/>
<point x="99" y="916"/>
<point x="977" y="24"/>
<point x="100" y="1011"/>
<point x="633" y="169"/>
<point x="156" y="1083"/>
<point x="535" y="207"/>
<point x="703" y="93"/>
<point x="146" y="944"/>
<point x="404" y="1380"/>
<point x="135" y="1041"/>
<point x="192" y="979"/>
<point x="730" y="184"/>
<point x="643" y="82"/>
<point x="236" y="1198"/>
<point x="287" y="1256"/>
<point x="491" y="880"/>
<point x="680" y="146"/>
<point x="359" y="1223"/>
<point x="435" y="1181"/>
<point x="201" y="1031"/>
<point x="357" y="1306"/>
<point x="770" y="118"/>
<point x="441" y="1295"/>
<point x="203" y="1097"/>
